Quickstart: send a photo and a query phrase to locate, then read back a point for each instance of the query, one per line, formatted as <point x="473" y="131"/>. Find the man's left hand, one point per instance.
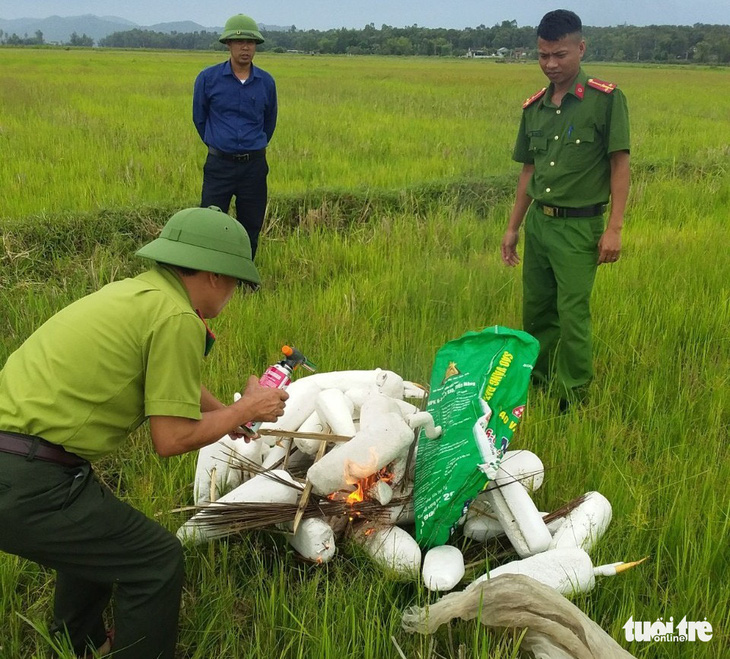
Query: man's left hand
<point x="243" y="433"/>
<point x="609" y="247"/>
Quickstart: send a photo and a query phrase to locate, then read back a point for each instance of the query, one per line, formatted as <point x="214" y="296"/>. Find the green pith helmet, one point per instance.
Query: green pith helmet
<point x="204" y="239"/>
<point x="241" y="26"/>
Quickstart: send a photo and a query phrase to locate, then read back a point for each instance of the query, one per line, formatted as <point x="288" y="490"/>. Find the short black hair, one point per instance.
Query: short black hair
<point x="558" y="24"/>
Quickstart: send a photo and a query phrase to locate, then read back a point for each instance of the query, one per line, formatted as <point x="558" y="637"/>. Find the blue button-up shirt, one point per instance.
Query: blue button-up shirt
<point x="232" y="116"/>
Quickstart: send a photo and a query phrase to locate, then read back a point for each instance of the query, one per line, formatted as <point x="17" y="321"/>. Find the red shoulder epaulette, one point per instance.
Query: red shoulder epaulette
<point x="601" y="85"/>
<point x="533" y="98"/>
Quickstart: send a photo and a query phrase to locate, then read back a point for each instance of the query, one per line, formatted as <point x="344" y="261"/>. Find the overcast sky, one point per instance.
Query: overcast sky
<point x="326" y="14"/>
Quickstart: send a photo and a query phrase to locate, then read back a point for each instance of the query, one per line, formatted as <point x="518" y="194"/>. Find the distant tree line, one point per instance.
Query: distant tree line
<point x="659" y="43"/>
<point x="173" y="40"/>
<point x="654" y="43"/>
<point x="38" y="40"/>
<point x="25" y="40"/>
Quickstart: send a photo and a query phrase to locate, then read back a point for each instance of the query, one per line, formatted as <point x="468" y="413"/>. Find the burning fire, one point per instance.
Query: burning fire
<point x="363" y="486"/>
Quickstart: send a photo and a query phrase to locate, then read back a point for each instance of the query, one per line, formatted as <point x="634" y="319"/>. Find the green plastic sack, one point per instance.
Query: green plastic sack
<point x="478" y="393"/>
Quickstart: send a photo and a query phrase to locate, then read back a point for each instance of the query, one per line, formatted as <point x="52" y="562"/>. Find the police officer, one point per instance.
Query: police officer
<point x="573" y="143"/>
<point x="234" y="112"/>
<point x="76" y="389"/>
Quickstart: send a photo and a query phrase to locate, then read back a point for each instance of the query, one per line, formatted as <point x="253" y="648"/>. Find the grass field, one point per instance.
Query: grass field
<point x="118" y="124"/>
<point x="391" y="183"/>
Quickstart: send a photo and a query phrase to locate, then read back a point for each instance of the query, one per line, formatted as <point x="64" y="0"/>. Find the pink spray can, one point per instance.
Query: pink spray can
<point x="278" y="376"/>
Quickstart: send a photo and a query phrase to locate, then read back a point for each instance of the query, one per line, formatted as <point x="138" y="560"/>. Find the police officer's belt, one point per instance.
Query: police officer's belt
<point x="239" y="157"/>
<point x="585" y="211"/>
<point x="38" y="448"/>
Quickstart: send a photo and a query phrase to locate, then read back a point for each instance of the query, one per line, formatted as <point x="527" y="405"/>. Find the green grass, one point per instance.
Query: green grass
<point x="118" y="124"/>
<point x="377" y="261"/>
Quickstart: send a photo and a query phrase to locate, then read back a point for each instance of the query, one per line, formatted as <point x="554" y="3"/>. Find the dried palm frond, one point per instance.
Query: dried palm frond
<point x="246" y="516"/>
<point x="255" y="468"/>
<point x="233" y="517"/>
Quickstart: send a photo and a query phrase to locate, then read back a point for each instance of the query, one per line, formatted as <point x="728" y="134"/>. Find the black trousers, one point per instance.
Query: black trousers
<point x="246" y="180"/>
<point x="63" y="518"/>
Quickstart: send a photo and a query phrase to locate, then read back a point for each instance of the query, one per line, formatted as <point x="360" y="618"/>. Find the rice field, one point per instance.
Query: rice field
<point x="391" y="181"/>
<point x="118" y="124"/>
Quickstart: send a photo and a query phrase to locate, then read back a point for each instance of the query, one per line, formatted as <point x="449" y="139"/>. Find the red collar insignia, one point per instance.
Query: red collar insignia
<point x="533" y="98"/>
<point x="601" y="85"/>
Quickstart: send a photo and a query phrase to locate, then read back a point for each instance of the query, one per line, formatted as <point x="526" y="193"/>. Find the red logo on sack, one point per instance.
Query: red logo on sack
<point x="518" y="411"/>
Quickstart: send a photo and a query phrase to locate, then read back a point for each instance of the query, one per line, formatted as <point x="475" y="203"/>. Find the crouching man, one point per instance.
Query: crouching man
<point x="77" y="388"/>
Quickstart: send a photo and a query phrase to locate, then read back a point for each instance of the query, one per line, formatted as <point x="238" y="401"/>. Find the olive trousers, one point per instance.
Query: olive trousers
<point x="64" y="519"/>
<point x="559" y="268"/>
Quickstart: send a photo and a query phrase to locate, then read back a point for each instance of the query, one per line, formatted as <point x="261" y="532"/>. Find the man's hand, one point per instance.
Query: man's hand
<point x="175" y="435"/>
<point x="244" y="433"/>
<point x="262" y="403"/>
<point x="609" y="246"/>
<point x="509" y="247"/>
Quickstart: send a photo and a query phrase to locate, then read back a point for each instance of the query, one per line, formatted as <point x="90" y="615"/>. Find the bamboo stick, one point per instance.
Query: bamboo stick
<point x="304" y="499"/>
<point x="289" y="445"/>
<point x="213" y="495"/>
<point x="319" y="436"/>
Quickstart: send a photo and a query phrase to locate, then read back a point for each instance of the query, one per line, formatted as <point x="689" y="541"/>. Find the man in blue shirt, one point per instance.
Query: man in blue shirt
<point x="234" y="112"/>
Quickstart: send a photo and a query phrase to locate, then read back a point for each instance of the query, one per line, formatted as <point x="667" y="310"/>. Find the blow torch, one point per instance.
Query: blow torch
<point x="278" y="376"/>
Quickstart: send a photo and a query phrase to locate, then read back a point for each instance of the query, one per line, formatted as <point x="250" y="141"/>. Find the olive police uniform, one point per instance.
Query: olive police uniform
<point x="570" y="147"/>
<point x="83" y="381"/>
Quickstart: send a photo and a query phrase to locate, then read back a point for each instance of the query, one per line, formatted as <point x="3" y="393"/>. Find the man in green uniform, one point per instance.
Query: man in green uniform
<point x="76" y="389"/>
<point x="573" y="143"/>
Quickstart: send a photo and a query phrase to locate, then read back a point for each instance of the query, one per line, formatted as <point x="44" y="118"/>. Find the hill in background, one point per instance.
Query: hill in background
<point x="58" y="29"/>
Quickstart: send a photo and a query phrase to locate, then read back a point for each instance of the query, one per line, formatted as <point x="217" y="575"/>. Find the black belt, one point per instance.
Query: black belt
<point x="585" y="211"/>
<point x="38" y="448"/>
<point x="238" y="157"/>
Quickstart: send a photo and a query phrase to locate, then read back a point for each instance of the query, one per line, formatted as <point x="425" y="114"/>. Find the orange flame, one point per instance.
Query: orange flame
<point x="358" y="495"/>
<point x="364" y="485"/>
<point x="364" y="477"/>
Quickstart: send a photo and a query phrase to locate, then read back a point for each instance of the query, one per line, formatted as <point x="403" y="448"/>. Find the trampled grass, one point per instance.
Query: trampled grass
<point x="384" y="284"/>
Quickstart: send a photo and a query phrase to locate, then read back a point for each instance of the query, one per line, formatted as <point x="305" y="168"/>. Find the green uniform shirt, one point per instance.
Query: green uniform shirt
<point x="94" y="371"/>
<point x="570" y="145"/>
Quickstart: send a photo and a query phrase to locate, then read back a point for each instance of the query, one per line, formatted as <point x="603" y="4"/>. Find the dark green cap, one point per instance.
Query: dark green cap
<point x="204" y="239"/>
